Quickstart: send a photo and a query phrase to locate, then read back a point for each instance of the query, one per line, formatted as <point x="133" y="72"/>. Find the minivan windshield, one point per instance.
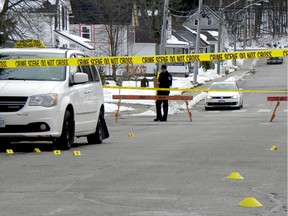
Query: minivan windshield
<point x="32" y="73"/>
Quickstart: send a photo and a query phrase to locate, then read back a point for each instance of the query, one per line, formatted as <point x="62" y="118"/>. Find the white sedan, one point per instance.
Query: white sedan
<point x="224" y="94"/>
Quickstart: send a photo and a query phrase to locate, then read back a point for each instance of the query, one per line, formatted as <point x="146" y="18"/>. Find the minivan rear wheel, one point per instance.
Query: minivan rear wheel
<point x="97" y="137"/>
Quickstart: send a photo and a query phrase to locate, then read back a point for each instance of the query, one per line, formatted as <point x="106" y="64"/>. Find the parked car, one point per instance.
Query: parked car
<point x="54" y="104"/>
<point x="224" y="94"/>
<point x="275" y="60"/>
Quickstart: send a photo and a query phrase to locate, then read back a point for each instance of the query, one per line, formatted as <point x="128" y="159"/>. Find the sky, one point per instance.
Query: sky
<point x="178" y="82"/>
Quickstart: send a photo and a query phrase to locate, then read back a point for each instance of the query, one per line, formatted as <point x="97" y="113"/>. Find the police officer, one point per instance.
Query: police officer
<point x="164" y="81"/>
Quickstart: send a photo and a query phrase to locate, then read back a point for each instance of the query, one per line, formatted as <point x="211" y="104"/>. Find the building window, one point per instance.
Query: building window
<point x="212" y="48"/>
<point x="86" y="32"/>
<point x="209" y="22"/>
<point x="64" y="18"/>
<point x="196" y="22"/>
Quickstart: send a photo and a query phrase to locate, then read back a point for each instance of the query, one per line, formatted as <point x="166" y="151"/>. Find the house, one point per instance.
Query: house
<point x="93" y="22"/>
<point x="107" y="28"/>
<point x="40" y="21"/>
<point x="179" y="40"/>
<point x="209" y="25"/>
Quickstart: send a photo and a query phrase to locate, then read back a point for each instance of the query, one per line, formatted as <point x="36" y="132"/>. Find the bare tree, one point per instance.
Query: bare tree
<point x="17" y="20"/>
<point x="112" y="18"/>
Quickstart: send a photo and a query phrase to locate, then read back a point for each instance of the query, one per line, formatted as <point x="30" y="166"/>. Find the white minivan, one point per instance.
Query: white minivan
<point x="55" y="103"/>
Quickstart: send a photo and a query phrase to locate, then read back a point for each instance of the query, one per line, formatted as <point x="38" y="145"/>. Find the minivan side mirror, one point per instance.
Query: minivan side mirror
<point x="80" y="77"/>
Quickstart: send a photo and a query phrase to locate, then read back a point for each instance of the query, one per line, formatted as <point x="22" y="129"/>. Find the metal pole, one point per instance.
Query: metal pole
<point x="250" y="27"/>
<point x="163" y="38"/>
<point x="235" y="34"/>
<point x="219" y="35"/>
<point x="195" y="72"/>
<point x="245" y="28"/>
<point x="164" y="28"/>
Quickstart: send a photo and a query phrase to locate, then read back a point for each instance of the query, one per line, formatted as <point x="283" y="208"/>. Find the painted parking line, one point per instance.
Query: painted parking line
<point x="264" y="110"/>
<point x="240" y="111"/>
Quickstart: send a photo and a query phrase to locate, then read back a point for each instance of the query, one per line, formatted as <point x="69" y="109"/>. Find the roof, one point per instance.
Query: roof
<point x="209" y="35"/>
<point x="83" y="42"/>
<point x="208" y="11"/>
<point x="101" y="12"/>
<point x="34" y="51"/>
<point x="183" y="33"/>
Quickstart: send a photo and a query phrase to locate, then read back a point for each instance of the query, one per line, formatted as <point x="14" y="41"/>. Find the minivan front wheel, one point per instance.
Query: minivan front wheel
<point x="66" y="139"/>
<point x="97" y="137"/>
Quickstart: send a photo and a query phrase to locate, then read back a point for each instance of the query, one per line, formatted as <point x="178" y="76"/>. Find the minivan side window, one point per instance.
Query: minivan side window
<point x="87" y="70"/>
<point x="95" y="73"/>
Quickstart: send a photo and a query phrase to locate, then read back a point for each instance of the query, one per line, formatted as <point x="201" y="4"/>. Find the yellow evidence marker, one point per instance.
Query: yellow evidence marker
<point x="57" y="152"/>
<point x="131" y="135"/>
<point x="9" y="151"/>
<point x="76" y="153"/>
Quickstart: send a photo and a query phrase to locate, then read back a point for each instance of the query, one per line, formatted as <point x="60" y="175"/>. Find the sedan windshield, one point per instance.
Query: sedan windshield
<point x="32" y="73"/>
<point x="223" y="86"/>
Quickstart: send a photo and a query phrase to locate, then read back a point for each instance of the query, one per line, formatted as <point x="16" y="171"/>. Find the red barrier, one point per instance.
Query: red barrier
<point x="152" y="97"/>
<point x="278" y="99"/>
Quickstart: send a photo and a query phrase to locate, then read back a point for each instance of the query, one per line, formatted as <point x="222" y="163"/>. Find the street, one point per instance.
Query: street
<point x="173" y="168"/>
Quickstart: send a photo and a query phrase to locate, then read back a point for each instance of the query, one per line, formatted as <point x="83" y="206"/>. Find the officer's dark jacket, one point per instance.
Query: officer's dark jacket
<point x="165" y="81"/>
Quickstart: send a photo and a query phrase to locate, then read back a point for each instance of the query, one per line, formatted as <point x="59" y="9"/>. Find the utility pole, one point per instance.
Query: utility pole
<point x="250" y="27"/>
<point x="164" y="28"/>
<point x="163" y="38"/>
<point x="245" y="27"/>
<point x="195" y="72"/>
<point x="219" y="35"/>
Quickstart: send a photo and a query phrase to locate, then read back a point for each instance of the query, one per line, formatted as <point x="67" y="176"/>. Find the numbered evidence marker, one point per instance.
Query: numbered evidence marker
<point x="76" y="153"/>
<point x="57" y="152"/>
<point x="37" y="150"/>
<point x="131" y="135"/>
<point x="9" y="151"/>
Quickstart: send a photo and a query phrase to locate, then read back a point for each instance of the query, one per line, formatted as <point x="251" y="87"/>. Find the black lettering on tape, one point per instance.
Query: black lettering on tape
<point x="216" y="57"/>
<point x="106" y="61"/>
<point x="114" y="60"/>
<point x="264" y="54"/>
<point x="162" y="59"/>
<point x="242" y="55"/>
<point x="96" y="61"/>
<point x="82" y="61"/>
<point x="251" y="54"/>
<point x="43" y="63"/>
<point x="180" y="58"/>
<point x="34" y="63"/>
<point x="51" y="62"/>
<point x="148" y="60"/>
<point x="192" y="58"/>
<point x="3" y="64"/>
<point x="62" y="62"/>
<point x="230" y="55"/>
<point x="21" y="63"/>
<point x="126" y="60"/>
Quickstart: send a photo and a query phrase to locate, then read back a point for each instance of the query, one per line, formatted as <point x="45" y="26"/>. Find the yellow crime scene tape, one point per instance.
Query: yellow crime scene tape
<point x="194" y="89"/>
<point x="104" y="60"/>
